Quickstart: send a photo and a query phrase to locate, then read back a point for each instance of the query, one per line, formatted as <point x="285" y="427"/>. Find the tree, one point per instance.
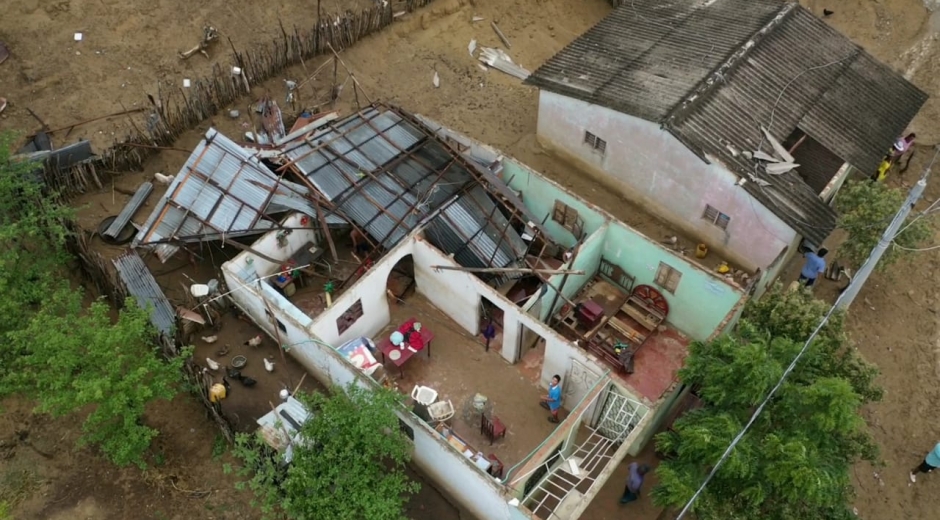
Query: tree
<point x="69" y="358"/>
<point x="350" y="465"/>
<point x="32" y="241"/>
<point x="794" y="462"/>
<point x="54" y="350"/>
<point x="865" y="210"/>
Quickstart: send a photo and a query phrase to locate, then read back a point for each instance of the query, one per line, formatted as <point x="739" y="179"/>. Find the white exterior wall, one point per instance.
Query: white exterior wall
<point x="651" y="167"/>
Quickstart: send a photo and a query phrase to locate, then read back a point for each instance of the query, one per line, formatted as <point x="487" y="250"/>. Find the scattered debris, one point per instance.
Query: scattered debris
<point x="472" y="47"/>
<point x="399" y="14"/>
<point x="187" y="83"/>
<point x="482" y="67"/>
<point x="4" y="52"/>
<point x="3" y="104"/>
<point x="764" y="156"/>
<point x="209" y="35"/>
<point x="780" y="168"/>
<point x="501" y="61"/>
<point x="436" y="80"/>
<point x="78" y="36"/>
<point x="271" y="119"/>
<point x="781" y="152"/>
<point x="234" y="113"/>
<point x="502" y="36"/>
<point x="476" y="19"/>
<point x="827" y="13"/>
<point x="236" y="71"/>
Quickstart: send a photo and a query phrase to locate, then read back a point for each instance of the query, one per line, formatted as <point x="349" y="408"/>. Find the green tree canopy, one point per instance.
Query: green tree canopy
<point x="54" y="350"/>
<point x="794" y="462"/>
<point x="865" y="210"/>
<point x="351" y="466"/>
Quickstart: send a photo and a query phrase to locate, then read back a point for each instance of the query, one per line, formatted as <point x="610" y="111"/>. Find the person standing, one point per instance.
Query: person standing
<point x="813" y="267"/>
<point x="930" y="463"/>
<point x="552" y="401"/>
<point x="489" y="332"/>
<point x="634" y="482"/>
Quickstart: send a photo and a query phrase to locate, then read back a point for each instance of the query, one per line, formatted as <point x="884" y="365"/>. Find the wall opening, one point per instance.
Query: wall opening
<point x="401" y="284"/>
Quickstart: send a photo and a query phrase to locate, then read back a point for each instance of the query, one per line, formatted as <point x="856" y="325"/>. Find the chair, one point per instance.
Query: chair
<point x="424" y="395"/>
<point x="492" y="429"/>
<point x="496" y="467"/>
<point x="441" y="411"/>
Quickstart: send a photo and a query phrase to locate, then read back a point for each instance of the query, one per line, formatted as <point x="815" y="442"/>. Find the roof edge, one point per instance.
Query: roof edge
<point x="708" y="85"/>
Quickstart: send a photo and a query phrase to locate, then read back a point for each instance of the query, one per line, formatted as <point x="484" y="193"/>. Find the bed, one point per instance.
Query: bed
<point x="623" y="333"/>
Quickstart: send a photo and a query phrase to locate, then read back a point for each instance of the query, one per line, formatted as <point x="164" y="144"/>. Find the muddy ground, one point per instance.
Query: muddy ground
<point x="894" y="323"/>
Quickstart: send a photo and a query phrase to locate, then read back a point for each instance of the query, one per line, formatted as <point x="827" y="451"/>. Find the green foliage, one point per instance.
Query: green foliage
<point x="794" y="462"/>
<point x="32" y="241"/>
<point x="219" y="447"/>
<point x="865" y="210"/>
<point x="350" y="468"/>
<point x="69" y="358"/>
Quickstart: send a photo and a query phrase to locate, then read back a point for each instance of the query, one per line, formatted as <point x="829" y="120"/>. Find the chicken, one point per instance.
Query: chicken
<point x="247" y="381"/>
<point x="210" y="339"/>
<point x="222" y="352"/>
<point x="268" y="365"/>
<point x="163" y="179"/>
<point x="213" y="366"/>
<point x="254" y="342"/>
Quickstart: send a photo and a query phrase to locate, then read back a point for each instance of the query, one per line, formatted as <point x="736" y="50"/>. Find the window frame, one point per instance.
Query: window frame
<point x="667" y="277"/>
<point x="596" y="143"/>
<point x="716" y="217"/>
<point x="349" y="317"/>
<point x="568" y="218"/>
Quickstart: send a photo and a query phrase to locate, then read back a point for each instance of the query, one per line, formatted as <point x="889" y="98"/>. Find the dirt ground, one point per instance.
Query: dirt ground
<point x="894" y="323"/>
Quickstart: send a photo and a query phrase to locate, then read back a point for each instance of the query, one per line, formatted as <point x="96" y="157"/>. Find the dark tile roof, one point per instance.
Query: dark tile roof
<point x="647" y="55"/>
<point x="727" y="68"/>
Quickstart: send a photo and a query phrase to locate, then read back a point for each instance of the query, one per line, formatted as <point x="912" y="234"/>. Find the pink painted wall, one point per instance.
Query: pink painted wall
<point x="652" y="168"/>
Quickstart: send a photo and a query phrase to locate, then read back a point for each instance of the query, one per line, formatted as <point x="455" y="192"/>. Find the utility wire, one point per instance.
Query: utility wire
<point x="835" y="306"/>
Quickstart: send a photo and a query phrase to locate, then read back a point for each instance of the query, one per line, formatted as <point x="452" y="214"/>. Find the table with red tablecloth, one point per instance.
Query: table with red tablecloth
<point x="415" y="341"/>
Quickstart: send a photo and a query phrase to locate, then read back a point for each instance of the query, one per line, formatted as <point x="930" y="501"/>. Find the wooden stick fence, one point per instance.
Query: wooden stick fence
<point x="176" y="110"/>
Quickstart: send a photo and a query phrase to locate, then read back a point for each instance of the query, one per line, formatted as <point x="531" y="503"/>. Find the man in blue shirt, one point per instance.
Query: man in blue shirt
<point x="634" y="482"/>
<point x="813" y="267"/>
<point x="552" y="401"/>
<point x="930" y="463"/>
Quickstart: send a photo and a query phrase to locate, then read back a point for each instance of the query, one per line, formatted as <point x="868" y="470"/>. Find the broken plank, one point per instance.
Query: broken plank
<point x="502" y="36"/>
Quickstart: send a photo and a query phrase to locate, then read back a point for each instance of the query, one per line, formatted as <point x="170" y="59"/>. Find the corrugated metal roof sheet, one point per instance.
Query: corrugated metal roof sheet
<point x="142" y="286"/>
<point x="799" y="76"/>
<point x="714" y="72"/>
<point x="388" y="176"/>
<point x="647" y="55"/>
<point x="221" y="190"/>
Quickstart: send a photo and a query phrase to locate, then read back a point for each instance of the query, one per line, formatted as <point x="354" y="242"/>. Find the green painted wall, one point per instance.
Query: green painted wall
<point x="539" y="195"/>
<point x="587" y="260"/>
<point x="701" y="301"/>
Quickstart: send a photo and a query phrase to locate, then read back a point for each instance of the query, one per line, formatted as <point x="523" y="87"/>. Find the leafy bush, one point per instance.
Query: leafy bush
<point x="865" y="210"/>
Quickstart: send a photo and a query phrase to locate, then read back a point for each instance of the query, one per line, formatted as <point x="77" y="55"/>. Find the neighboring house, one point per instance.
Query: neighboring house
<point x="449" y="213"/>
<point x="661" y="100"/>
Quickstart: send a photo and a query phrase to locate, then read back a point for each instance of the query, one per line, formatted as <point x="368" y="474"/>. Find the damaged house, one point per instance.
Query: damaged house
<point x="736" y="121"/>
<point x="377" y="248"/>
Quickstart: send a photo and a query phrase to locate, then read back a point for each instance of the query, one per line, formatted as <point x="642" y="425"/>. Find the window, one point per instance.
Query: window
<point x="596" y="143"/>
<point x="568" y="218"/>
<point x="716" y="217"/>
<point x="272" y="319"/>
<point x="667" y="278"/>
<point x="353" y="313"/>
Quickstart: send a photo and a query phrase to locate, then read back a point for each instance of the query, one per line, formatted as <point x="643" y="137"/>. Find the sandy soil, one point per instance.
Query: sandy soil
<point x="894" y="322"/>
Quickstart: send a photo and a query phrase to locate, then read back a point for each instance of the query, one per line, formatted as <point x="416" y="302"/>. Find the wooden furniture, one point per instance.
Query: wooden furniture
<point x="468" y="451"/>
<point x="416" y="342"/>
<point x="629" y="327"/>
<point x="590" y="313"/>
<point x="492" y="429"/>
<point x="496" y="469"/>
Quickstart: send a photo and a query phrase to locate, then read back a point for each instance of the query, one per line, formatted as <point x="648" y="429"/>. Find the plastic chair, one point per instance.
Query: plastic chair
<point x="441" y="411"/>
<point x="424" y="395"/>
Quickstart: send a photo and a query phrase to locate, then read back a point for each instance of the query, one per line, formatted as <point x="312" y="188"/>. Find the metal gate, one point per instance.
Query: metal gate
<point x="619" y="415"/>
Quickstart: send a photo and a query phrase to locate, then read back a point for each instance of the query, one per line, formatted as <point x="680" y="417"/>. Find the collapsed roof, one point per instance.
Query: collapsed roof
<point x="378" y="169"/>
